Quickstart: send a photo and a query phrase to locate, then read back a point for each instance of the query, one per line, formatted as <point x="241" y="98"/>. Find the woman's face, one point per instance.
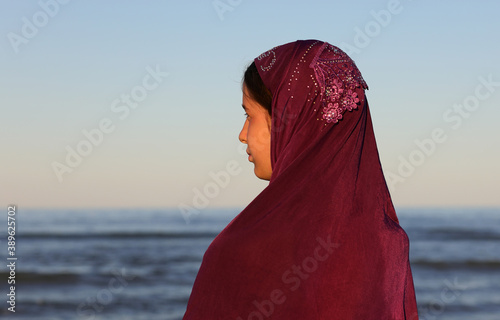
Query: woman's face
<point x="256" y="134"/>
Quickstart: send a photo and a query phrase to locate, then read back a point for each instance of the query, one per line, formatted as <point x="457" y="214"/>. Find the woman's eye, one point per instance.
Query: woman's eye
<point x="246" y="115"/>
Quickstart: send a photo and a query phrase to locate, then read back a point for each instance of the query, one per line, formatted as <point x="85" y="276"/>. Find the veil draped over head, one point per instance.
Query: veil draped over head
<point x="322" y="240"/>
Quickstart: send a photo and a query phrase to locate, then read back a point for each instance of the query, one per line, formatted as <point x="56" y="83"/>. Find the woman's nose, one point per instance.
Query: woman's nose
<point x="243" y="133"/>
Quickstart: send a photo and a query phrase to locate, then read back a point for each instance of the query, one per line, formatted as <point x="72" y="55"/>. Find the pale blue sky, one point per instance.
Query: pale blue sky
<point x="62" y="70"/>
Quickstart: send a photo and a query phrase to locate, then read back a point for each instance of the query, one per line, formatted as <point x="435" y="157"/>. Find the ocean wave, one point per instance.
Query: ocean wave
<point x="65" y="277"/>
<point x="452" y="234"/>
<point x="53" y="278"/>
<point x="122" y="235"/>
<point x="464" y="264"/>
<point x="463" y="234"/>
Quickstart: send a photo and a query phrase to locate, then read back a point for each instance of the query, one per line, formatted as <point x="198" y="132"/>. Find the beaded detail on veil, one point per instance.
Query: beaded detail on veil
<point x="337" y="77"/>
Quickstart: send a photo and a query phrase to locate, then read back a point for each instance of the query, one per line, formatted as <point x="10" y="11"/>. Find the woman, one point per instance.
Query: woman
<point x="322" y="240"/>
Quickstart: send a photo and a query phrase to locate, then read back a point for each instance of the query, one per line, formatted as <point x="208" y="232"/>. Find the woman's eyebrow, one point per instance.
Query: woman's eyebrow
<point x="244" y="108"/>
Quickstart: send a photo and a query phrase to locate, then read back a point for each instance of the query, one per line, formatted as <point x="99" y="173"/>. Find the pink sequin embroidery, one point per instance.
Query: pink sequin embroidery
<point x="338" y="77"/>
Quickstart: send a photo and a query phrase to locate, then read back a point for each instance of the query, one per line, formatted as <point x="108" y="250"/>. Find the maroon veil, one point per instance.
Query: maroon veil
<point x="322" y="240"/>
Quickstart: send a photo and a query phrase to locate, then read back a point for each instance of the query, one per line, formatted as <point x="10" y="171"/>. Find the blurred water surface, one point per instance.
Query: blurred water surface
<point x="141" y="264"/>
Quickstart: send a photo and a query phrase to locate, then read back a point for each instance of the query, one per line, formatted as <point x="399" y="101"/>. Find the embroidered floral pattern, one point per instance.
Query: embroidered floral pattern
<point x="338" y="77"/>
<point x="350" y="100"/>
<point x="332" y="113"/>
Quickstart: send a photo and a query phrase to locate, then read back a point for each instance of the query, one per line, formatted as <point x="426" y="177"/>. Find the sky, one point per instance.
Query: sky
<point x="137" y="104"/>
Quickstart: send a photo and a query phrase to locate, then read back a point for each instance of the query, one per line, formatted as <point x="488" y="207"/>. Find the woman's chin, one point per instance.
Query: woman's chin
<point x="262" y="175"/>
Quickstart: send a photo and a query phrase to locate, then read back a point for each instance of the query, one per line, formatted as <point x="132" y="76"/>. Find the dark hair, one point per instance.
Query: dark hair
<point x="256" y="88"/>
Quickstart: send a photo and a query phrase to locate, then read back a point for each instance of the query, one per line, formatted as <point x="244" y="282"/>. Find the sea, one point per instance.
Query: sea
<point x="141" y="263"/>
